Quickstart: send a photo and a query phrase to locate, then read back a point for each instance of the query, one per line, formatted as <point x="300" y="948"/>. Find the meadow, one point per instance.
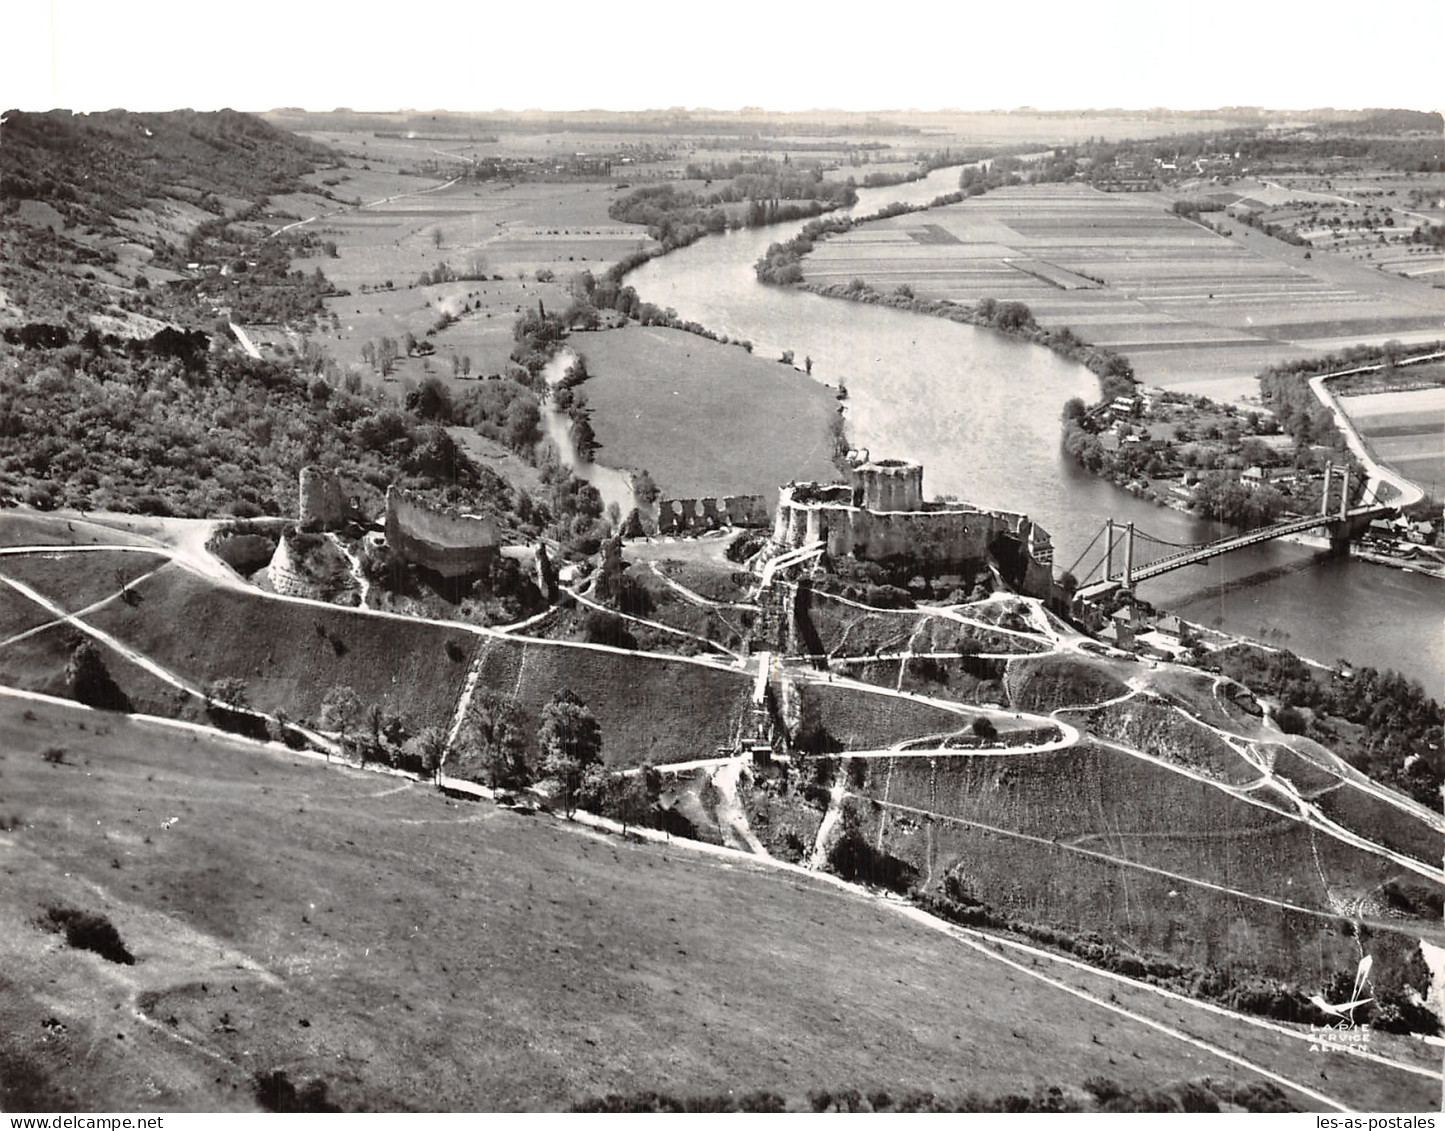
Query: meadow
<point x="412" y="952"/>
<point x="672" y="402"/>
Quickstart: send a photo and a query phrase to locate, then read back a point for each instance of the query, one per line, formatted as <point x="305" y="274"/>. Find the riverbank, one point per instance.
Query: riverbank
<point x="980" y="411"/>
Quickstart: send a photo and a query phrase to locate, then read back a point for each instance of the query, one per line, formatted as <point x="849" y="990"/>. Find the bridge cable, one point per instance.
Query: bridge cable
<point x="1087" y="548"/>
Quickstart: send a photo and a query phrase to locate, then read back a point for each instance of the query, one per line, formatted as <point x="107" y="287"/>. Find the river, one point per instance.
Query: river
<point x="980" y="411"/>
<point x="613" y="485"/>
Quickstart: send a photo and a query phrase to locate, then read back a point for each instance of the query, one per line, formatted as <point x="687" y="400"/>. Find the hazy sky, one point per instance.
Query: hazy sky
<point x="562" y="54"/>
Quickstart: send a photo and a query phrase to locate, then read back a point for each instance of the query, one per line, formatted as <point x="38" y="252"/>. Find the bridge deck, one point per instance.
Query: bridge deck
<point x="1196" y="554"/>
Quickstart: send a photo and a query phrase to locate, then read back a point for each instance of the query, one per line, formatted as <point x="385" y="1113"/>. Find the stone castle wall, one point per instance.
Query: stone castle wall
<point x="939" y="537"/>
<point x="685" y="515"/>
<point x="286" y="578"/>
<point x="888" y="485"/>
<point x="326" y="501"/>
<point x="441" y="540"/>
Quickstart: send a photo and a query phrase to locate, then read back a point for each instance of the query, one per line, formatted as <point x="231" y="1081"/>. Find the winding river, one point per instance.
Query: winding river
<point x="981" y="412"/>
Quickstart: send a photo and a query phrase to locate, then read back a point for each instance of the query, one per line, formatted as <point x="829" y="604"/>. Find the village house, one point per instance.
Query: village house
<point x="1280" y="478"/>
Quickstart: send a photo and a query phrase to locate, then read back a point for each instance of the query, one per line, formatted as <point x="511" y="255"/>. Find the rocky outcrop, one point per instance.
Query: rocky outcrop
<point x="439" y="539"/>
<point x="309" y="565"/>
<point x="287" y="577"/>
<point x="546" y="574"/>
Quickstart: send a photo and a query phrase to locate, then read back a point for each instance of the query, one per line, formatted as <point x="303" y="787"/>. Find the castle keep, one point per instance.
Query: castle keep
<point x="880" y="516"/>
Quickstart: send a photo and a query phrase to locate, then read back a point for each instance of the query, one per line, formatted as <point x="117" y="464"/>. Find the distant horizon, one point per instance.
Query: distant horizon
<point x="1131" y="55"/>
<point x="745" y="111"/>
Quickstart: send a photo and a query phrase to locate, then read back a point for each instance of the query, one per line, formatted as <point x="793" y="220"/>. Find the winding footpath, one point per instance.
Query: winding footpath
<point x="188" y="552"/>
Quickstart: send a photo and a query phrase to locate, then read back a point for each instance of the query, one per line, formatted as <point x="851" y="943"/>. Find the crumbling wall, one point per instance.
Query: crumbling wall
<point x="326" y="501"/>
<point x="888" y="485"/>
<point x="435" y="538"/>
<point x="939" y="540"/>
<point x="676" y="516"/>
<point x="307" y="565"/>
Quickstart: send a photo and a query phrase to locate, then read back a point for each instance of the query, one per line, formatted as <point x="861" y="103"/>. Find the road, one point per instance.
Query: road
<point x="1410" y="493"/>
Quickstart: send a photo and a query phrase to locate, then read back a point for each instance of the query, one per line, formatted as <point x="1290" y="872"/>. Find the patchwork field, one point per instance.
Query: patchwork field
<point x="1405" y="430"/>
<point x="1190" y="308"/>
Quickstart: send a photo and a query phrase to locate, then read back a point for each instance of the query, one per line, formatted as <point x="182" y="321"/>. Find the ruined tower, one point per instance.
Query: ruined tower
<point x="888" y="485"/>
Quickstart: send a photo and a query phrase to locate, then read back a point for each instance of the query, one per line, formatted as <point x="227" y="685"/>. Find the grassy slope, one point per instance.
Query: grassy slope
<point x="703" y="418"/>
<point x="290" y="655"/>
<point x="1053" y="681"/>
<point x="649" y="710"/>
<point x="870" y="721"/>
<point x="38" y="663"/>
<point x="417" y="953"/>
<point x="29" y="528"/>
<point x="74" y="581"/>
<point x="1105" y="802"/>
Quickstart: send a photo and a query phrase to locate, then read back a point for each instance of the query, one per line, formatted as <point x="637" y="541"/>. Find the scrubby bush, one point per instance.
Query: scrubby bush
<point x="275" y="1092"/>
<point x="85" y="930"/>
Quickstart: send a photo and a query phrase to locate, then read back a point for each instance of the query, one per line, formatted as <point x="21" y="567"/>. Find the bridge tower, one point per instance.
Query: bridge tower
<point x="1109" y="549"/>
<point x="1129" y="557"/>
<point x="1325" y="490"/>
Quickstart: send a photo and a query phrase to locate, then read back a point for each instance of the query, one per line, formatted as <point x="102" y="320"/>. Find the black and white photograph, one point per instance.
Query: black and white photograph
<point x="744" y="558"/>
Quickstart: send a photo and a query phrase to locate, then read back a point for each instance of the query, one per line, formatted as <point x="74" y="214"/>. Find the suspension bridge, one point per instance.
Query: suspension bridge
<point x="1142" y="556"/>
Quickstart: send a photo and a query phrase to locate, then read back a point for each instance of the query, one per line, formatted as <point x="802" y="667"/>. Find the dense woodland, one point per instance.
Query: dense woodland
<point x="762" y="192"/>
<point x="95" y="168"/>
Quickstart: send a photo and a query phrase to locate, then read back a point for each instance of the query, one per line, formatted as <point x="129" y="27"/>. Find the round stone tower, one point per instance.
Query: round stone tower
<point x="888" y="485"/>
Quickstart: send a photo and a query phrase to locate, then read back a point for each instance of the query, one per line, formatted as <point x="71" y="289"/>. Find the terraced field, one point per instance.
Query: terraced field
<point x="1189" y="307"/>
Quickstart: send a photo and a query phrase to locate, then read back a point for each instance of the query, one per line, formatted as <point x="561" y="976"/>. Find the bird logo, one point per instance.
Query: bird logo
<point x="1345" y="1010"/>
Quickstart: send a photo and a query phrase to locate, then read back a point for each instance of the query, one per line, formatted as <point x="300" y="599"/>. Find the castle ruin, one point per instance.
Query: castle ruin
<point x="326" y="501"/>
<point x="442" y="540"/>
<point x="880" y="516"/>
<point x="684" y="516"/>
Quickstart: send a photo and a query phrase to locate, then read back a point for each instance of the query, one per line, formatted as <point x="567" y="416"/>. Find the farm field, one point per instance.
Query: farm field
<point x="704" y="418"/>
<point x="1405" y="430"/>
<point x="530" y="962"/>
<point x="481" y="231"/>
<point x="1369" y="218"/>
<point x="1191" y="309"/>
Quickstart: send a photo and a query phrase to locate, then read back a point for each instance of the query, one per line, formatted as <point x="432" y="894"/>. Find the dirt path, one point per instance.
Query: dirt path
<point x="729" y="811"/>
<point x="992" y="945"/>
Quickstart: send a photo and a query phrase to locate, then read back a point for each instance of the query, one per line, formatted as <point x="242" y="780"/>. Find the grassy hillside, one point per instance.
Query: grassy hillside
<point x="95" y="167"/>
<point x="291" y="655"/>
<point x="1091" y="839"/>
<point x="650" y="710"/>
<point x="1069" y="681"/>
<point x="414" y="953"/>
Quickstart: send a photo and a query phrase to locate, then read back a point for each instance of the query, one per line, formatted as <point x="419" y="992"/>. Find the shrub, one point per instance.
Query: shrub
<point x="85" y="930"/>
<point x="1290" y="720"/>
<point x="275" y="1092"/>
<point x="89" y="681"/>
